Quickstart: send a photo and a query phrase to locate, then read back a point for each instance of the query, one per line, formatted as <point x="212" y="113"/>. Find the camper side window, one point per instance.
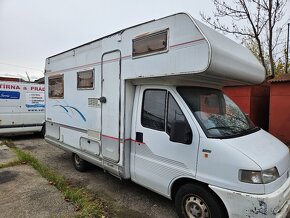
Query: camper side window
<point x="55" y="87"/>
<point x="150" y="44"/>
<point x="85" y="79"/>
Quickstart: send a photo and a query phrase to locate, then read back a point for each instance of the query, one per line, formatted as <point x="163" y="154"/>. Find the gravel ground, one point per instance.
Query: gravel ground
<point x="24" y="193"/>
<point x="134" y="200"/>
<point x="6" y="155"/>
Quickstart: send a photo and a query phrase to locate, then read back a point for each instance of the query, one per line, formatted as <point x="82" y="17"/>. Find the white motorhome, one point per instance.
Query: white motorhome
<point x="21" y="107"/>
<point x="145" y="104"/>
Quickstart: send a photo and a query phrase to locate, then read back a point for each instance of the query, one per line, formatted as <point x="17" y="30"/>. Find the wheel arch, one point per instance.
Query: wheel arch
<point x="179" y="182"/>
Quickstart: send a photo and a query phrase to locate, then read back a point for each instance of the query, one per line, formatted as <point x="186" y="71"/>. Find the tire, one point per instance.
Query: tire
<point x="42" y="132"/>
<point x="193" y="200"/>
<point x="79" y="164"/>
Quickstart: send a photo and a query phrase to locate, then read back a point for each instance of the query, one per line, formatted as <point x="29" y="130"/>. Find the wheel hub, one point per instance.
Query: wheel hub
<point x="195" y="207"/>
<point x="77" y="159"/>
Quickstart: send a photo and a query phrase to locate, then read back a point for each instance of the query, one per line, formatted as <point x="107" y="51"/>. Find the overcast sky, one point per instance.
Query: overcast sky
<point x="32" y="30"/>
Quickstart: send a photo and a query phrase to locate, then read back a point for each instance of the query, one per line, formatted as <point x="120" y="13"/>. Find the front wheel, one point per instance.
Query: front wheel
<point x="79" y="164"/>
<point x="195" y="201"/>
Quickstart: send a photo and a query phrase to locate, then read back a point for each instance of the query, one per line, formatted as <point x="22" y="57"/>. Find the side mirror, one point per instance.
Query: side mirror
<point x="181" y="132"/>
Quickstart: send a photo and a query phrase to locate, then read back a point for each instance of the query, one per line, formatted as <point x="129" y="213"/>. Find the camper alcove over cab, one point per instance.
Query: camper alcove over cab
<point x="145" y="104"/>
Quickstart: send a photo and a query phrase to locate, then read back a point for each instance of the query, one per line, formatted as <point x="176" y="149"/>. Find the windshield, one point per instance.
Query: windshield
<point x="218" y="115"/>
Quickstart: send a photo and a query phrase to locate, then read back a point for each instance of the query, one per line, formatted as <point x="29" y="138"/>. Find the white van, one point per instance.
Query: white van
<point x="145" y="104"/>
<point x="21" y="107"/>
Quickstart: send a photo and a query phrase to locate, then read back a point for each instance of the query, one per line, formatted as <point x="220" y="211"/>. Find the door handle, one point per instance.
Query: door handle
<point x="139" y="137"/>
<point x="103" y="99"/>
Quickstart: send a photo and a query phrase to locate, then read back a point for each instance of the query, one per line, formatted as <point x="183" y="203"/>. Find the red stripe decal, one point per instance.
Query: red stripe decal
<point x="132" y="140"/>
<point x="129" y="139"/>
<point x="110" y="137"/>
<point x="124" y="57"/>
<point x="185" y="43"/>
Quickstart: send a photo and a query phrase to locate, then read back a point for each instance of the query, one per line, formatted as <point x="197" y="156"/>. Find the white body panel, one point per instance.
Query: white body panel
<point x="156" y="156"/>
<point x="273" y="205"/>
<point x="105" y="132"/>
<point x="194" y="50"/>
<point x="21" y="107"/>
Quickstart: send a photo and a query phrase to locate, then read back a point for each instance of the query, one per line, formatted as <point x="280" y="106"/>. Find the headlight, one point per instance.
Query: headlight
<point x="270" y="175"/>
<point x="259" y="177"/>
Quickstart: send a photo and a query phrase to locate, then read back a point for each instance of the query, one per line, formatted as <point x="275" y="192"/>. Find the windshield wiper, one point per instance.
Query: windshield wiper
<point x="226" y="127"/>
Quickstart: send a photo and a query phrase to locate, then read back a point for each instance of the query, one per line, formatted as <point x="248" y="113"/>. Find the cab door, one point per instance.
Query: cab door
<point x="166" y="142"/>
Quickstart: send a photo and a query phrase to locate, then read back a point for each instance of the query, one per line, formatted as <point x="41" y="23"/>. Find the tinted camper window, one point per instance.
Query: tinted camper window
<point x="55" y="87"/>
<point x="85" y="79"/>
<point x="150" y="44"/>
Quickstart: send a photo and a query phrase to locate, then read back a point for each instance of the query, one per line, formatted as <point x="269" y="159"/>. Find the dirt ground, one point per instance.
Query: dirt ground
<point x="24" y="193"/>
<point x="134" y="200"/>
<point x="131" y="199"/>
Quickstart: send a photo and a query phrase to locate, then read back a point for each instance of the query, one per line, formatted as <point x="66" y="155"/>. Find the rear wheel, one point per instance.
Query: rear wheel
<point x="79" y="164"/>
<point x="195" y="201"/>
<point x="43" y="130"/>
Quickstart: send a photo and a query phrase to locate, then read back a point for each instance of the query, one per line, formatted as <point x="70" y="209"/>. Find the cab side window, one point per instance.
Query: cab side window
<point x="153" y="110"/>
<point x="177" y="126"/>
<point x="174" y="114"/>
<point x="161" y="112"/>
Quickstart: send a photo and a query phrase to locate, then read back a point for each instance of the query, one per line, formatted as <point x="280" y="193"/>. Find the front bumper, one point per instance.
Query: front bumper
<point x="239" y="204"/>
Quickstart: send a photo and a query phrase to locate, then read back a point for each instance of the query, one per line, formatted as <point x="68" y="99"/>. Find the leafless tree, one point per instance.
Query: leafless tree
<point x="255" y="22"/>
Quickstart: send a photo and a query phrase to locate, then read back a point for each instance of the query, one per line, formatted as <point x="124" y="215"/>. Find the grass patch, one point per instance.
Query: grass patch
<point x="6" y="142"/>
<point x="85" y="204"/>
<point x="11" y="164"/>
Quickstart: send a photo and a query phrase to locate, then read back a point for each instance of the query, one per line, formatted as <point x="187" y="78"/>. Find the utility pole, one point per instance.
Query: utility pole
<point x="287" y="50"/>
<point x="28" y="77"/>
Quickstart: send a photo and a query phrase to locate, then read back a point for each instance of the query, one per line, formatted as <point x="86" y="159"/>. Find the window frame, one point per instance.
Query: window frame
<point x="141" y="37"/>
<point x="56" y="77"/>
<point x="93" y="80"/>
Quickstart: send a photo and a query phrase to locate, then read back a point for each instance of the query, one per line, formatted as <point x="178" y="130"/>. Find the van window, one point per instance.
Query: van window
<point x="174" y="113"/>
<point x="153" y="110"/>
<point x="217" y="115"/>
<point x="177" y="126"/>
<point x="158" y="104"/>
<point x="85" y="79"/>
<point x="149" y="44"/>
<point x="55" y="87"/>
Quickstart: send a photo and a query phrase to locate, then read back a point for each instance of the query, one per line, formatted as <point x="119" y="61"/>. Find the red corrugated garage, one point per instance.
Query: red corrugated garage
<point x="279" y="121"/>
<point x="253" y="100"/>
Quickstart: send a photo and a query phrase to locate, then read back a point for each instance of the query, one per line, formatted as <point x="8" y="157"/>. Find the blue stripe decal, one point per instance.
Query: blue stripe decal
<point x="58" y="105"/>
<point x="75" y="109"/>
<point x="82" y="116"/>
